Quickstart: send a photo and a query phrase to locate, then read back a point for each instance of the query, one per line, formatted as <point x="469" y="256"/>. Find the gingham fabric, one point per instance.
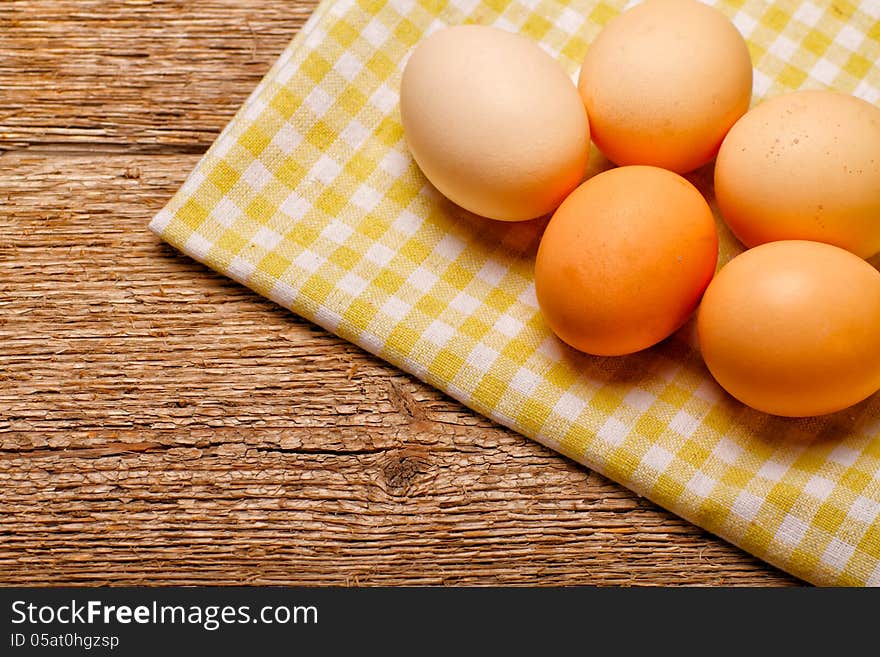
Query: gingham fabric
<point x="310" y="198"/>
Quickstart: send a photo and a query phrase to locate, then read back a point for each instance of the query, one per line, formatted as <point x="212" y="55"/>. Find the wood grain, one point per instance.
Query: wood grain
<point x="160" y="424"/>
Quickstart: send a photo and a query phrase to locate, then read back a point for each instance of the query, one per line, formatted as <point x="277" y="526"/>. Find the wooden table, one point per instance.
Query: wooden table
<point x="160" y="424"/>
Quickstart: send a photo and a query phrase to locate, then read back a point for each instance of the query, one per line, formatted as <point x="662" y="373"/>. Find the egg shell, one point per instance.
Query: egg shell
<point x="804" y="166"/>
<point x="792" y="328"/>
<point x="493" y="122"/>
<point x="664" y="82"/>
<point x="625" y="259"/>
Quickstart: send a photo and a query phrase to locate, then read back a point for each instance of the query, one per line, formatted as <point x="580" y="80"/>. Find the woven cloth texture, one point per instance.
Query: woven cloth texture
<point x="310" y="198"/>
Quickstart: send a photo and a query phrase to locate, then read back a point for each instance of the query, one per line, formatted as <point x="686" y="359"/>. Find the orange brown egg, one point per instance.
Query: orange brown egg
<point x="625" y="259"/>
<point x="793" y="328"/>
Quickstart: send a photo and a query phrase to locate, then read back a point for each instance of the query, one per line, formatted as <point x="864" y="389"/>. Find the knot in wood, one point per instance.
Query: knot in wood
<point x="400" y="471"/>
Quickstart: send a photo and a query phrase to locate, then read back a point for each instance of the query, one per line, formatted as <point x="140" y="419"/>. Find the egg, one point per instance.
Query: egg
<point x="793" y="328"/>
<point x="624" y="260"/>
<point x="663" y="83"/>
<point x="494" y="122"/>
<point x="804" y="166"/>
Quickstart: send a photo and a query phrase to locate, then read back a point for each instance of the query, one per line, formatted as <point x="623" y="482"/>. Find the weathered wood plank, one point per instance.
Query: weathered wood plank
<point x="133" y="75"/>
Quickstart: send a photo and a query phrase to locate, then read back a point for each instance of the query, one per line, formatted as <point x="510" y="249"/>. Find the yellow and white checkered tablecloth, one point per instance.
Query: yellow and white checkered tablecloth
<point x="310" y="198"/>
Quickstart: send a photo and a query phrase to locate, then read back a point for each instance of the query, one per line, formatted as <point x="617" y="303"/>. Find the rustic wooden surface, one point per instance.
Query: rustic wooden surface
<point x="160" y="424"/>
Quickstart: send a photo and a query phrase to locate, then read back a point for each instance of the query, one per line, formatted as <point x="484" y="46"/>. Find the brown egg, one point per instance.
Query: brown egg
<point x="804" y="166"/>
<point x="663" y="82"/>
<point x="793" y="328"/>
<point x="625" y="259"/>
